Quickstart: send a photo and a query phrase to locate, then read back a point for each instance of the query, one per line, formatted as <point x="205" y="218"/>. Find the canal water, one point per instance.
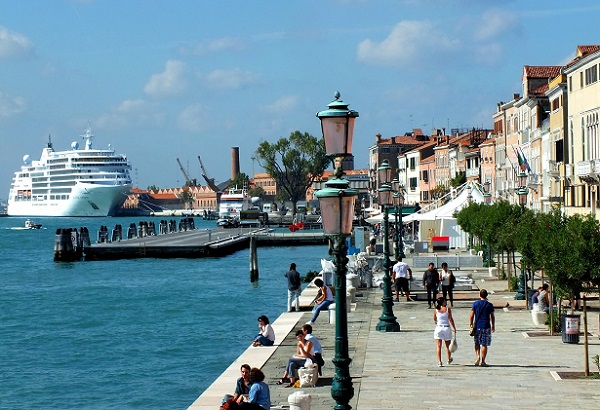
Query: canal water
<point x="133" y="334"/>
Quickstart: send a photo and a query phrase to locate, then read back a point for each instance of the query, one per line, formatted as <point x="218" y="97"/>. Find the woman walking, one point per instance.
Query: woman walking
<point x="444" y="328"/>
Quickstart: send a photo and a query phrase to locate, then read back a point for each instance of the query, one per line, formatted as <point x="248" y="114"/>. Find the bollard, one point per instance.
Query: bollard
<point x="253" y="260"/>
<point x="85" y="237"/>
<point x="299" y="401"/>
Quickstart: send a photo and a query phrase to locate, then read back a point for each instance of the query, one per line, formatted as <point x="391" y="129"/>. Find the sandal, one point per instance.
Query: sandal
<point x="284" y="380"/>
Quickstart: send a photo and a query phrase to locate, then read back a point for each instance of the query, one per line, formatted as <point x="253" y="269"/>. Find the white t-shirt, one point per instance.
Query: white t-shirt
<point x="268" y="332"/>
<point x="445" y="277"/>
<point x="401" y="270"/>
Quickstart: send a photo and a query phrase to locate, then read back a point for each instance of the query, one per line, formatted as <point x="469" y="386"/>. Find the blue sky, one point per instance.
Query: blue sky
<point x="160" y="80"/>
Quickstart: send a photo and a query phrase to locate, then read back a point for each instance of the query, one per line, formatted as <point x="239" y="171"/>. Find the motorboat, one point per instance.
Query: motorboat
<point x="29" y="224"/>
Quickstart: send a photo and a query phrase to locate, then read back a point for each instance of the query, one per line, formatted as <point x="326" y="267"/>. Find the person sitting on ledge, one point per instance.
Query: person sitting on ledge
<point x="259" y="397"/>
<point x="242" y="387"/>
<point x="266" y="337"/>
<point x="323" y="300"/>
<point x="304" y="350"/>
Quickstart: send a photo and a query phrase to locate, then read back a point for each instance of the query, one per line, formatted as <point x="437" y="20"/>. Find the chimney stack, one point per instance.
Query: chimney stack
<point x="378" y="138"/>
<point x="235" y="162"/>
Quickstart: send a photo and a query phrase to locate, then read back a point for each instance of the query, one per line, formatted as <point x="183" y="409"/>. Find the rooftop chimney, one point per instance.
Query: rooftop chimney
<point x="378" y="138"/>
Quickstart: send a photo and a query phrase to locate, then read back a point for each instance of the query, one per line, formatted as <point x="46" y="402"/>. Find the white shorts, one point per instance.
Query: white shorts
<point x="442" y="332"/>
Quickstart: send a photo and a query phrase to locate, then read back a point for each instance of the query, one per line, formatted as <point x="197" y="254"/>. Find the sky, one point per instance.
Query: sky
<point x="161" y="80"/>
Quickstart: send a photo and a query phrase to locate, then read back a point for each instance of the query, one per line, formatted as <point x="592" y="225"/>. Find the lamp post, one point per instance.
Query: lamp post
<point x="387" y="321"/>
<point x="522" y="191"/>
<point x="522" y="194"/>
<point x="395" y="184"/>
<point x="399" y="203"/>
<point x="337" y="211"/>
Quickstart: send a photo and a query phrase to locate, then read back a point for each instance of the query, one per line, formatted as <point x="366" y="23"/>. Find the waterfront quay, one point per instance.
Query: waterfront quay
<point x="400" y="371"/>
<point x="192" y="243"/>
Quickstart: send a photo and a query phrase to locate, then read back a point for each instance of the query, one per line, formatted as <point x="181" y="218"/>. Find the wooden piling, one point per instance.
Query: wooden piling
<point x="253" y="260"/>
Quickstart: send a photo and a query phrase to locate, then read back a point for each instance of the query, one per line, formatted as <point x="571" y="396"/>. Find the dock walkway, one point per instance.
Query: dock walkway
<point x="399" y="370"/>
<point x="198" y="243"/>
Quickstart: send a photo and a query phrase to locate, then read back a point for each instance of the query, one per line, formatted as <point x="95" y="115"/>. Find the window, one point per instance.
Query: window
<point x="425" y="177"/>
<point x="581" y="79"/>
<point x="555" y="104"/>
<point x="413" y="163"/>
<point x="591" y="75"/>
<point x="570" y="84"/>
<point x="559" y="150"/>
<point x="413" y="183"/>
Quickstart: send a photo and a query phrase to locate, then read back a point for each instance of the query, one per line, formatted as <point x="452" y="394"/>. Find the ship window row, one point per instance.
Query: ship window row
<point x="40" y="198"/>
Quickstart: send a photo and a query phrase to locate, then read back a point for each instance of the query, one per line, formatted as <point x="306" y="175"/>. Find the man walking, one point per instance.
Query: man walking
<point x="484" y="322"/>
<point x="294" y="288"/>
<point x="431" y="279"/>
<point x="401" y="274"/>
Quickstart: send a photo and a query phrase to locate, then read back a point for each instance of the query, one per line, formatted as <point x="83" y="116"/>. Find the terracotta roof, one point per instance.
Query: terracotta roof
<point x="163" y="196"/>
<point x="541" y="90"/>
<point x="545" y="71"/>
<point x="584" y="50"/>
<point x="400" y="140"/>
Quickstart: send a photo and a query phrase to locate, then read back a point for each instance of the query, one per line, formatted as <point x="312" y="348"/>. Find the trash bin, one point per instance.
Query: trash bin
<point x="570" y="329"/>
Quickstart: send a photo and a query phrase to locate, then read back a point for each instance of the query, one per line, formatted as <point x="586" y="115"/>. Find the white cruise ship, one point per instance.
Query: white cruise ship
<point x="77" y="182"/>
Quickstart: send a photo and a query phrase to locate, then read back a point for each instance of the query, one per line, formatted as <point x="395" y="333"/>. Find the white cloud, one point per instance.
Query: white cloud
<point x="193" y="118"/>
<point x="494" y="23"/>
<point x="489" y="54"/>
<point x="282" y="105"/>
<point x="11" y="106"/>
<point x="131" y="113"/>
<point x="234" y="78"/>
<point x="172" y="81"/>
<point x="216" y="45"/>
<point x="14" y="45"/>
<point x="409" y="42"/>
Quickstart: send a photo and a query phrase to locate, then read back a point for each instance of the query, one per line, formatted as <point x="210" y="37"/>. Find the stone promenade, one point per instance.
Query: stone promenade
<point x="399" y="370"/>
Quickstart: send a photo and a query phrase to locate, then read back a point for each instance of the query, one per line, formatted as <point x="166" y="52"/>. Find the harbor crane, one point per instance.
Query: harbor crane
<point x="211" y="181"/>
<point x="188" y="180"/>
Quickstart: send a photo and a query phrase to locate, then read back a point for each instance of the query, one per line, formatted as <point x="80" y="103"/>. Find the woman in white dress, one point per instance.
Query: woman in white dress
<point x="444" y="328"/>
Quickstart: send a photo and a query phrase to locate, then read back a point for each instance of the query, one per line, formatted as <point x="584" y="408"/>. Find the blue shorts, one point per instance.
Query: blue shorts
<point x="483" y="337"/>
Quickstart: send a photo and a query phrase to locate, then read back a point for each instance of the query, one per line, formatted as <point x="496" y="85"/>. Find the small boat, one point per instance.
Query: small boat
<point x="30" y="225"/>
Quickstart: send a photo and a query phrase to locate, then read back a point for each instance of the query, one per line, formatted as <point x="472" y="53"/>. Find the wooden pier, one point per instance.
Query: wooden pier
<point x="194" y="243"/>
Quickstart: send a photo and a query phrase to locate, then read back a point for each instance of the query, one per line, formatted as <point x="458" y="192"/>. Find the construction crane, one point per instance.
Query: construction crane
<point x="187" y="178"/>
<point x="209" y="181"/>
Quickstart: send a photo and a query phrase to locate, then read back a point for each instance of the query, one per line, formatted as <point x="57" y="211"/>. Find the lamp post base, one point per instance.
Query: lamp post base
<point x="388" y="325"/>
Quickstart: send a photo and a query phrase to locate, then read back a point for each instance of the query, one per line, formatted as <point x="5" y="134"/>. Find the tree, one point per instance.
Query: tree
<point x="294" y="163"/>
<point x="153" y="188"/>
<point x="458" y="180"/>
<point x="241" y="181"/>
<point x="257" y="192"/>
<point x="186" y="197"/>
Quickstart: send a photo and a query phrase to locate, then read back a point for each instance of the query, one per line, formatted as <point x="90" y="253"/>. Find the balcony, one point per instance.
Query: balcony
<point x="553" y="169"/>
<point x="588" y="171"/>
<point x="472" y="172"/>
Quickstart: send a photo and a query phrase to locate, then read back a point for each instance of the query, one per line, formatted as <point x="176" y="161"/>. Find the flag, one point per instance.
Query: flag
<point x="524" y="165"/>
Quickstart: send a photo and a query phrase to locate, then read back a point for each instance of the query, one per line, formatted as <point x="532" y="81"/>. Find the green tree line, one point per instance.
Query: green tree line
<point x="564" y="248"/>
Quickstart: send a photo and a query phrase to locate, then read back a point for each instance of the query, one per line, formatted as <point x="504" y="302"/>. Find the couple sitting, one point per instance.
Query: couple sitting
<point x="308" y="351"/>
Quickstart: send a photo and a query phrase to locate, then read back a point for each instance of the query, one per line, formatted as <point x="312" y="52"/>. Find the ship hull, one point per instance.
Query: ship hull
<point x="85" y="200"/>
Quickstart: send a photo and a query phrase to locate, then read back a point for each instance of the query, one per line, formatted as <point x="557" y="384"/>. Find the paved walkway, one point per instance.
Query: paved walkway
<point x="399" y="370"/>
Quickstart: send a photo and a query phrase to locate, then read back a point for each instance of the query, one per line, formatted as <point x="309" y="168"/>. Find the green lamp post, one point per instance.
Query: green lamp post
<point x="337" y="211"/>
<point x="387" y="321"/>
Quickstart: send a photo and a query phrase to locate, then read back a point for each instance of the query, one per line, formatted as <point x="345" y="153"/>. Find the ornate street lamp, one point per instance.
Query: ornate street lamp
<point x="487" y="195"/>
<point x="522" y="194"/>
<point x="395" y="184"/>
<point x="387" y="321"/>
<point x="337" y="211"/>
<point x="522" y="191"/>
<point x="399" y="203"/>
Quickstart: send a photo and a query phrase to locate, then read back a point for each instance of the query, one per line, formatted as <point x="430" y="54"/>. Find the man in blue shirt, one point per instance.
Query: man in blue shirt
<point x="483" y="320"/>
